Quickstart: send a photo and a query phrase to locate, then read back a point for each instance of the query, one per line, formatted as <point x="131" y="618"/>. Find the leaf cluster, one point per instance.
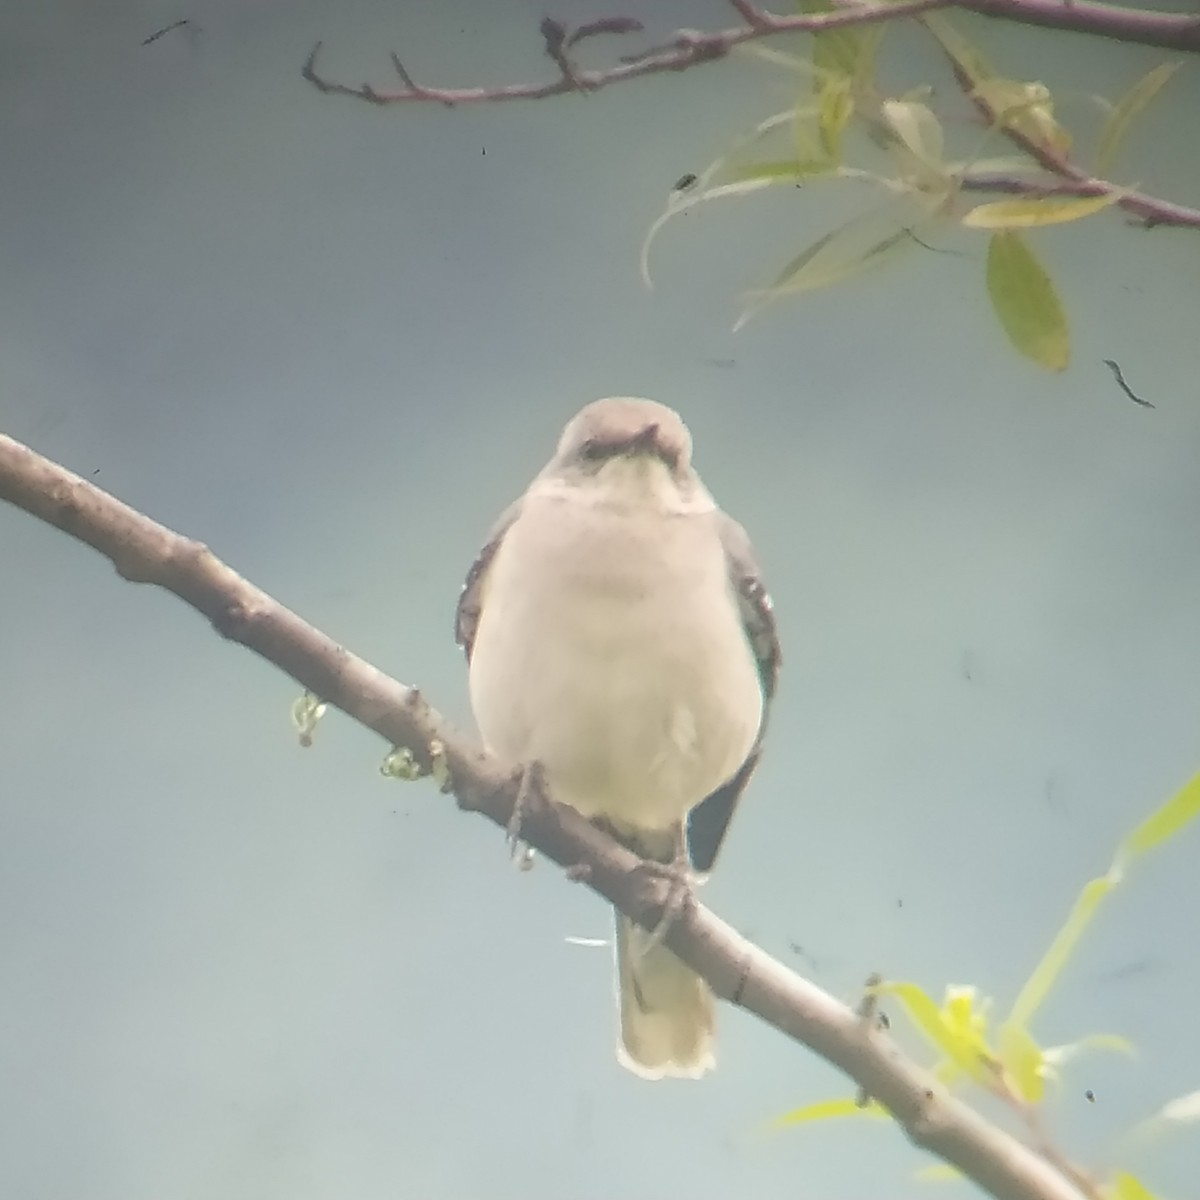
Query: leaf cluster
<point x="1007" y="1061"/>
<point x="842" y="128"/>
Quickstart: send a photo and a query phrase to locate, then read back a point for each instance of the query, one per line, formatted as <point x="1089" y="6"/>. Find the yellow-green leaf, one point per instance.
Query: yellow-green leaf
<point x="1026" y="302"/>
<point x="857" y="245"/>
<point x="961" y="52"/>
<point x="1026" y="107"/>
<point x="825" y="1109"/>
<point x="771" y="170"/>
<point x="939" y="1173"/>
<point x="1126" y="109"/>
<point x="846" y="53"/>
<point x="1038" y="985"/>
<point x="837" y="107"/>
<point x="957" y="1028"/>
<point x="1183" y="1108"/>
<point x="1126" y="1187"/>
<point x="1023" y="1061"/>
<point x="1055" y="1057"/>
<point x="704" y="189"/>
<point x="1045" y="210"/>
<point x="1157" y="828"/>
<point x="1163" y="824"/>
<point x="917" y="127"/>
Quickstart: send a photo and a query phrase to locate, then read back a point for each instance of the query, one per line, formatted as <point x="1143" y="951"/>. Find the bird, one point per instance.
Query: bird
<point x="619" y="636"/>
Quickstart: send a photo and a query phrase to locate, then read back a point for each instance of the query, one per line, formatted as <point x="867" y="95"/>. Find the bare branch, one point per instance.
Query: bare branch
<point x="145" y="552"/>
<point x="688" y="48"/>
<point x="555" y="35"/>
<point x="604" y="25"/>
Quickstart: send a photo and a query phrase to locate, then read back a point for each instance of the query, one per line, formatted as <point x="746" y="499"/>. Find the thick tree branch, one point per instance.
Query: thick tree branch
<point x="1166" y="30"/>
<point x="145" y="552"/>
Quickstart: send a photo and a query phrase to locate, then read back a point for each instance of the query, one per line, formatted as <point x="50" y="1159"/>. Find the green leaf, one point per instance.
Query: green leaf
<point x="823" y="1110"/>
<point x="855" y="246"/>
<point x="1126" y="109"/>
<point x="1045" y="210"/>
<point x="1026" y="302"/>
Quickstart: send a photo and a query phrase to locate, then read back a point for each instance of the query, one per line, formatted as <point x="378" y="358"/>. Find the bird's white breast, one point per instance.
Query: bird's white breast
<point x="610" y="649"/>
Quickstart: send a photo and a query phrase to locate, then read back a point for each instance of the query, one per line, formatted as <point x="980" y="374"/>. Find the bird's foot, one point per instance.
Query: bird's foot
<point x="532" y="782"/>
<point x="681" y="891"/>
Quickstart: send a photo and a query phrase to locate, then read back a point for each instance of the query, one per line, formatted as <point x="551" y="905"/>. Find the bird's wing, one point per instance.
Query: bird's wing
<point x="709" y="820"/>
<point x="470" y="602"/>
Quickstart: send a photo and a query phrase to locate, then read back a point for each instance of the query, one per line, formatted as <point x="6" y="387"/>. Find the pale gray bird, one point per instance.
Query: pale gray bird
<point x="619" y="635"/>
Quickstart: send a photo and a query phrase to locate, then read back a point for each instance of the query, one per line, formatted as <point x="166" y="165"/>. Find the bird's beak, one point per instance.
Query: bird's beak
<point x="645" y="440"/>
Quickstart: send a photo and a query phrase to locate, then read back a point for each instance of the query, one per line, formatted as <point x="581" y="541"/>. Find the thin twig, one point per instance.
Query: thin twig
<point x="554" y="33"/>
<point x="180" y="24"/>
<point x="1120" y="378"/>
<point x="616" y="25"/>
<point x="688" y="48"/>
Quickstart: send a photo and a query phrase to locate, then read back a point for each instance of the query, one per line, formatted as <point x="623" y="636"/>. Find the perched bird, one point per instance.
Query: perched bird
<point x="619" y="636"/>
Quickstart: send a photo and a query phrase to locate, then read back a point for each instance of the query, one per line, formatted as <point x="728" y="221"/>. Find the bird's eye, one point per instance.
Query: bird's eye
<point x="592" y="450"/>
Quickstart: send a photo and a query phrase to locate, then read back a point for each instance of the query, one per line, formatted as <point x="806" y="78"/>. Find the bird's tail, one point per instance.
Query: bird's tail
<point x="667" y="1012"/>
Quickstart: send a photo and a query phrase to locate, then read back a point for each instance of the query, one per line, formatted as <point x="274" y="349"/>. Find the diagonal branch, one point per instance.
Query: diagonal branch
<point x="1076" y="182"/>
<point x="145" y="552"/>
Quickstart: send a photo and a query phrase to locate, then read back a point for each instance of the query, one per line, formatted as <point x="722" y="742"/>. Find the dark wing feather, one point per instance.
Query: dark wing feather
<point x="470" y="601"/>
<point x="709" y="820"/>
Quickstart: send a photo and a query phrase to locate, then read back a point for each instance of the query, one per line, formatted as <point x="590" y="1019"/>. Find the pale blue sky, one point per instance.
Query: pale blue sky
<point x="332" y="341"/>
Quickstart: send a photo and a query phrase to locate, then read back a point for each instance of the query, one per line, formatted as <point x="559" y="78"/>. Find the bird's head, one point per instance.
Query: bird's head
<point x="630" y="449"/>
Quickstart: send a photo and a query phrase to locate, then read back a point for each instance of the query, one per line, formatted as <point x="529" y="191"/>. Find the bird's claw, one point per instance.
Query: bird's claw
<point x="681" y="892"/>
<point x="532" y="779"/>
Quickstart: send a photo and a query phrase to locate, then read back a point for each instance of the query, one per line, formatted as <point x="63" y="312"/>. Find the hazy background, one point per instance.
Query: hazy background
<point x="332" y="341"/>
